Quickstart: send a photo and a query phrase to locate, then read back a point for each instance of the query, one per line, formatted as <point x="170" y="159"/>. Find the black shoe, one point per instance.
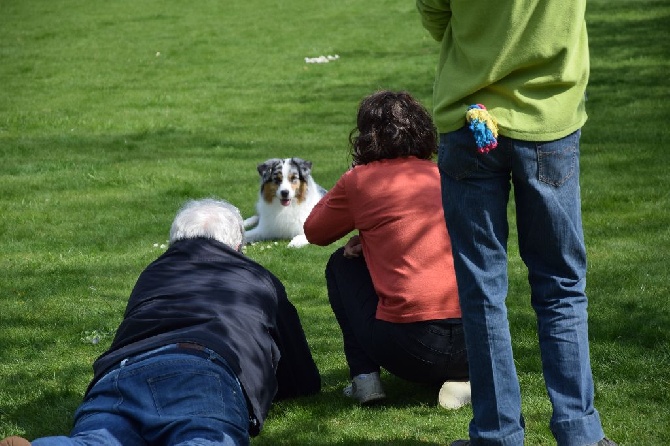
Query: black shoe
<point x="460" y="443"/>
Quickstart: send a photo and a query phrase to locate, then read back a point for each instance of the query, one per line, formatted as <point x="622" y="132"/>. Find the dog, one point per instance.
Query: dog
<point x="287" y="195"/>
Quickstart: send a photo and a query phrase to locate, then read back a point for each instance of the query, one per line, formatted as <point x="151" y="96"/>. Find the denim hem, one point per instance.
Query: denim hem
<point x="579" y="432"/>
<point x="515" y="439"/>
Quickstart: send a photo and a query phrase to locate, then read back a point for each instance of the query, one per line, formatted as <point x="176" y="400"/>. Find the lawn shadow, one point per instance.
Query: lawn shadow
<point x="331" y="415"/>
<point x="46" y="412"/>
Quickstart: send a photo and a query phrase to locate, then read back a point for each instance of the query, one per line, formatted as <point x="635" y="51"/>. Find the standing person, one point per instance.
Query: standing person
<point x="392" y="287"/>
<point x="207" y="341"/>
<point x="527" y="63"/>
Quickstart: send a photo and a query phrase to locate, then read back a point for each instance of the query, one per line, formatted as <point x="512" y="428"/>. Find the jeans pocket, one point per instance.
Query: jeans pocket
<point x="557" y="160"/>
<point x="457" y="154"/>
<point x="435" y="337"/>
<point x="198" y="393"/>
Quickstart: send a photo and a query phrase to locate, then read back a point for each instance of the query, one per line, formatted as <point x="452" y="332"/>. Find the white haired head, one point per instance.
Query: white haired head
<point x="209" y="218"/>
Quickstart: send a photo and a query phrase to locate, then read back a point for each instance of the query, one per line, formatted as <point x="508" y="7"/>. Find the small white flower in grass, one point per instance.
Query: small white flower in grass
<point x="95" y="336"/>
<point x="321" y="59"/>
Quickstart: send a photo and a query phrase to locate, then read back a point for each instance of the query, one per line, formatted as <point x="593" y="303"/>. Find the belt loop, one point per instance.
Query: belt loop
<point x="213" y="356"/>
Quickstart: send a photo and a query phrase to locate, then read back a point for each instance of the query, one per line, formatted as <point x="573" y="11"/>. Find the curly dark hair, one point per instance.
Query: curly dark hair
<point x="392" y="125"/>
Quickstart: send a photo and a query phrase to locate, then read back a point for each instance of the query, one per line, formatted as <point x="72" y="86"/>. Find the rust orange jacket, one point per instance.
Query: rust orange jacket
<point x="396" y="206"/>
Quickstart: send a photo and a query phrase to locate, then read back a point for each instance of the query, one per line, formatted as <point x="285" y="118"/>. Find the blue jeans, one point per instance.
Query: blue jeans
<point x="162" y="397"/>
<point x="475" y="193"/>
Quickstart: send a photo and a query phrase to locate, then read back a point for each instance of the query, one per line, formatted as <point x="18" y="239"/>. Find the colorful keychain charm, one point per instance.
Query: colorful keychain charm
<point x="484" y="127"/>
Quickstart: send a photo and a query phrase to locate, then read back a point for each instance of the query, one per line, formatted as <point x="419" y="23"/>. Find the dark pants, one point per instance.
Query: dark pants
<point x="424" y="352"/>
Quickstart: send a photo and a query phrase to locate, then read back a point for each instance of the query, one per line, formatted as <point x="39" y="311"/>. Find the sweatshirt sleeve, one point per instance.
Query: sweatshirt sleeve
<point x="435" y="16"/>
<point x="297" y="373"/>
<point x="331" y="218"/>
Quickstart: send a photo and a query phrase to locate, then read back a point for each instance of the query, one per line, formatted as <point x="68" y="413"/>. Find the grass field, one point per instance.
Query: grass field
<point x="114" y="113"/>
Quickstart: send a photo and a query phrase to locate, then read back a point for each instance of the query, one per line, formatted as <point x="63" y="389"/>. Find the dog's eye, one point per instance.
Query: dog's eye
<point x="295" y="179"/>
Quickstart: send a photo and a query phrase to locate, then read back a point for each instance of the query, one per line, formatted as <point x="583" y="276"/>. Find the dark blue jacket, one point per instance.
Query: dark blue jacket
<point x="204" y="292"/>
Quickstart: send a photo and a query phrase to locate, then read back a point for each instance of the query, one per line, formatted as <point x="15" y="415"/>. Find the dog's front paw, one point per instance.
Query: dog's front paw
<point x="298" y="241"/>
<point x="252" y="235"/>
<point x="251" y="221"/>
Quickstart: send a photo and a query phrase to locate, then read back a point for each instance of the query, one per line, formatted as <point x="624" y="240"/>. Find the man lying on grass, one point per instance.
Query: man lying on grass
<point x="196" y="359"/>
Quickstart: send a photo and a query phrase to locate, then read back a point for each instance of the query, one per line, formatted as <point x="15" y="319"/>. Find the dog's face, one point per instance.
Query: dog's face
<point x="284" y="179"/>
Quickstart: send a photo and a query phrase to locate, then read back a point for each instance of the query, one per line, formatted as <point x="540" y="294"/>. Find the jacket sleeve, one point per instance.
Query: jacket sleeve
<point x="297" y="373"/>
<point x="331" y="218"/>
<point x="435" y="16"/>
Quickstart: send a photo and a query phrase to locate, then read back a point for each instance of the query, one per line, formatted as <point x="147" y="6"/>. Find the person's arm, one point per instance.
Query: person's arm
<point x="297" y="373"/>
<point x="331" y="218"/>
<point x="435" y="16"/>
<point x="353" y="247"/>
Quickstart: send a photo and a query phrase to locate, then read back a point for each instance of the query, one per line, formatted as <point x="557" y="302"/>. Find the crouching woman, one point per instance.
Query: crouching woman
<point x="392" y="287"/>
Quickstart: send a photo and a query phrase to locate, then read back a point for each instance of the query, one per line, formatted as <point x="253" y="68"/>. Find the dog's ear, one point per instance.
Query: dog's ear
<point x="304" y="166"/>
<point x="265" y="168"/>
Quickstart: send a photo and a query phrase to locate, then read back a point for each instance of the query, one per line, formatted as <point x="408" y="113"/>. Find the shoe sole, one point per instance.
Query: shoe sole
<point x="372" y="398"/>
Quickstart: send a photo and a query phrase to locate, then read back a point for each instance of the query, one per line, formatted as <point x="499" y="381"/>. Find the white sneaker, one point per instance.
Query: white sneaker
<point x="366" y="388"/>
<point x="454" y="394"/>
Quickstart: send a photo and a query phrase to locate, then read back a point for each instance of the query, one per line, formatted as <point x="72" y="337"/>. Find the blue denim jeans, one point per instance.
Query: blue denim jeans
<point x="162" y="397"/>
<point x="475" y="193"/>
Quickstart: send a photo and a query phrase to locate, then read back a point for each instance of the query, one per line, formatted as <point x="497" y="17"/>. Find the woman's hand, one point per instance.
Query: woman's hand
<point x="353" y="248"/>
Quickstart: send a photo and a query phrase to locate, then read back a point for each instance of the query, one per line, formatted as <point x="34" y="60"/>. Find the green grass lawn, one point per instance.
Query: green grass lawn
<point x="112" y="114"/>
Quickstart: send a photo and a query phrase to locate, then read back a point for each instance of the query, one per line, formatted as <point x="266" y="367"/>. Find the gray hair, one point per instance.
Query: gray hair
<point x="209" y="218"/>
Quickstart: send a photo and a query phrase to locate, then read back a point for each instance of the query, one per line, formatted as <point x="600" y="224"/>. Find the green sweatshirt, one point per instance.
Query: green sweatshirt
<point x="526" y="61"/>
